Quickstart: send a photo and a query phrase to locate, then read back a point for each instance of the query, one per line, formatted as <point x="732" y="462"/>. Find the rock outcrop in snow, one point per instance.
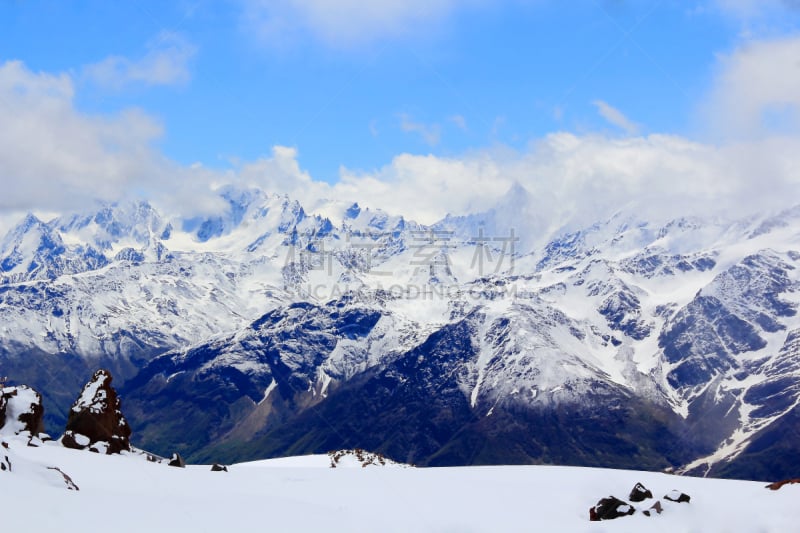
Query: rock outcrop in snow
<point x="21" y="410"/>
<point x="95" y="420"/>
<point x="177" y="461"/>
<point x="639" y="493"/>
<point x="610" y="508"/>
<point x="778" y="484"/>
<point x="359" y="457"/>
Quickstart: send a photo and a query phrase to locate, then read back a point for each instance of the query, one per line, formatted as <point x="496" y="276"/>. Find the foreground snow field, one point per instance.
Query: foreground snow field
<point x="127" y="493"/>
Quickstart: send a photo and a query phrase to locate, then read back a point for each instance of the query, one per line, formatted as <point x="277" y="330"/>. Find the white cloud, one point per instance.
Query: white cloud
<point x="281" y="173"/>
<point x="756" y="90"/>
<point x="577" y="180"/>
<point x="53" y="157"/>
<point x="430" y="133"/>
<point x="344" y="22"/>
<point x="615" y="117"/>
<point x="165" y="63"/>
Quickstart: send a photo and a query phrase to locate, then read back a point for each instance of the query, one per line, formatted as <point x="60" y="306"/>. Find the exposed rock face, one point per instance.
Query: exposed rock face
<point x="639" y="493"/>
<point x="610" y="508"/>
<point x="95" y="420"/>
<point x="216" y="467"/>
<point x="21" y="410"/>
<point x="177" y="461"/>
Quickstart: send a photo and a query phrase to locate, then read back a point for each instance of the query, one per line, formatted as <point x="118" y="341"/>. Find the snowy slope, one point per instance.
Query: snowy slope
<point x="304" y="494"/>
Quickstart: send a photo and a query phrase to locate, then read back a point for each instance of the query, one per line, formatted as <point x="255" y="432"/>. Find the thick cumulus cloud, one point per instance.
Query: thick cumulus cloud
<point x="578" y="180"/>
<point x="573" y="180"/>
<point x="756" y="90"/>
<point x="52" y="156"/>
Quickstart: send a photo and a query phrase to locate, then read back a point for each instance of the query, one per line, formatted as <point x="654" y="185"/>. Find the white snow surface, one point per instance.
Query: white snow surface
<point x="304" y="494"/>
<point x="89" y="397"/>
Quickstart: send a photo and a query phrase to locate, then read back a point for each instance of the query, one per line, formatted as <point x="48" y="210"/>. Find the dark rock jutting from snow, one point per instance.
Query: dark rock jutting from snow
<point x="610" y="508"/>
<point x="655" y="507"/>
<point x="639" y="493"/>
<point x="778" y="484"/>
<point x="177" y="461"/>
<point x="95" y="421"/>
<point x="216" y="467"/>
<point x="677" y="497"/>
<point x="5" y="462"/>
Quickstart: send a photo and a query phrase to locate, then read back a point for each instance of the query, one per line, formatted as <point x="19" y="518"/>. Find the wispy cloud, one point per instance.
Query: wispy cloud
<point x="459" y="121"/>
<point x="344" y="22"/>
<point x="615" y="117"/>
<point x="165" y="63"/>
<point x="430" y="133"/>
<point x="746" y="9"/>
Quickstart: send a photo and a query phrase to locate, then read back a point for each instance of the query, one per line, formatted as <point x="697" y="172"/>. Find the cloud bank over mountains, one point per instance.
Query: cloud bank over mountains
<point x="56" y="157"/>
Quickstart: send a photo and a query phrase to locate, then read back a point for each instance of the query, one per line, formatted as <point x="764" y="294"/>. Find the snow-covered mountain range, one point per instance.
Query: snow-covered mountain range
<point x="268" y="330"/>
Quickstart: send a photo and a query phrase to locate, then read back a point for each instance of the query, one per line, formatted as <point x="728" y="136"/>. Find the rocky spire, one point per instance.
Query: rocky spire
<point x="95" y="421"/>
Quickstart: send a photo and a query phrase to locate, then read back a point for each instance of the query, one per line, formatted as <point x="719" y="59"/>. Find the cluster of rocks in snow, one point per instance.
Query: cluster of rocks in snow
<point x="95" y="423"/>
<point x="362" y="457"/>
<point x="611" y="507"/>
<point x="95" y="420"/>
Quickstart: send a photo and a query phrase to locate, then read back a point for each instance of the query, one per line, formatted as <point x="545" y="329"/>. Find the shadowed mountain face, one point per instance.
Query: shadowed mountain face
<point x="415" y="408"/>
<point x="265" y="330"/>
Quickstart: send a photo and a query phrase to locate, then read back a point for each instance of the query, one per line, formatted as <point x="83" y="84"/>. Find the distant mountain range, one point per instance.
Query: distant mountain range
<point x="267" y="330"/>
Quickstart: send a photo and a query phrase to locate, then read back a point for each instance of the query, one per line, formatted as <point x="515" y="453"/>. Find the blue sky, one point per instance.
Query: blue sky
<point x="353" y="87"/>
